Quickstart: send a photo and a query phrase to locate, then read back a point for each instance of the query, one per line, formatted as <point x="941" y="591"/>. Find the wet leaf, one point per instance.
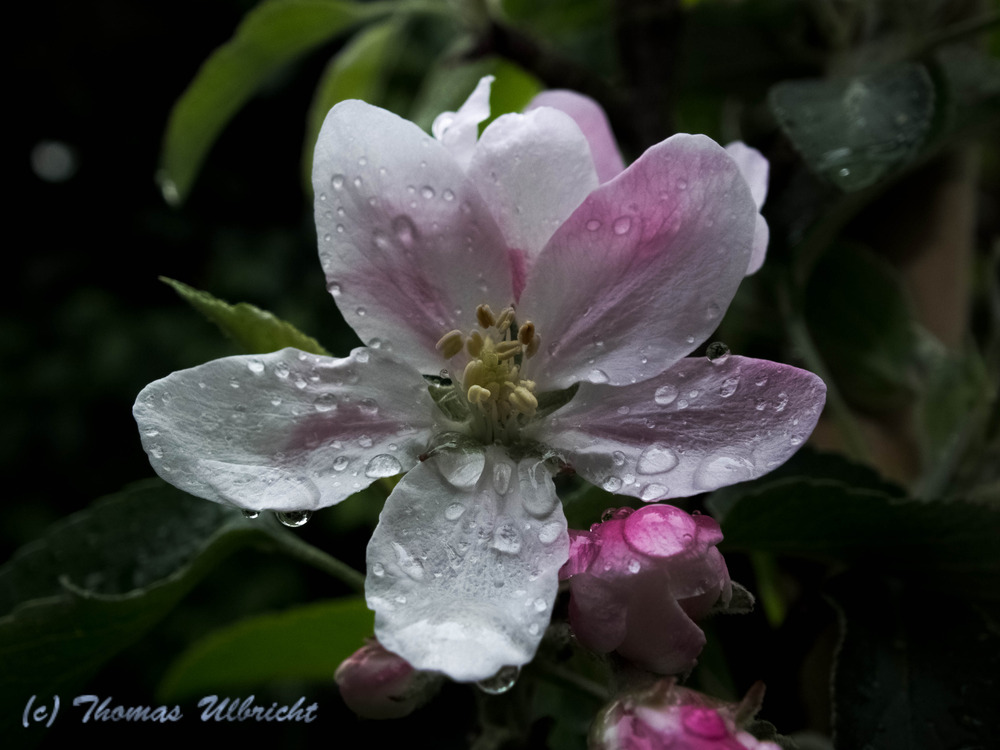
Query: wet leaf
<point x="856" y="131"/>
<point x="100" y="579"/>
<point x="860" y="319"/>
<point x="304" y="643"/>
<point x="912" y="670"/>
<point x="272" y="35"/>
<point x="256" y="331"/>
<point x="950" y="545"/>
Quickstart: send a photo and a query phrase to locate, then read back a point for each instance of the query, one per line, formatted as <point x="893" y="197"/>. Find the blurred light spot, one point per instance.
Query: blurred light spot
<point x="53" y="161"/>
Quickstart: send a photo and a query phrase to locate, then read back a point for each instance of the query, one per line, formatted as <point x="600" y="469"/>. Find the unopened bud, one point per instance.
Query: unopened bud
<point x="378" y="684"/>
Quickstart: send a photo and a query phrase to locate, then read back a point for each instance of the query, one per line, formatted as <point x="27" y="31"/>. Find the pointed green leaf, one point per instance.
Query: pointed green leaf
<point x="256" y="331"/>
<point x="304" y="643"/>
<point x="359" y="71"/>
<point x="950" y="545"/>
<point x="100" y="579"/>
<point x="272" y="35"/>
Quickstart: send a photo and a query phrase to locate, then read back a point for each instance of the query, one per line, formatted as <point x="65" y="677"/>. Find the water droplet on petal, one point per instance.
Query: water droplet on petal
<point x="378" y="569"/>
<point x="293" y="519"/>
<point x="689" y="339"/>
<point x="448" y="195"/>
<point x="612" y="484"/>
<point x="597" y="376"/>
<point x="593" y="225"/>
<point x="405" y="230"/>
<point x="634" y="566"/>
<point x="454" y="511"/>
<point x="721" y="470"/>
<point x="382" y="465"/>
<point x="362" y="356"/>
<point x="408" y="563"/>
<point x="622" y="225"/>
<point x="501" y="682"/>
<point x="550" y="532"/>
<point x="656" y="459"/>
<point x="337" y="181"/>
<point x="361" y="312"/>
<point x="619" y="458"/>
<point x="782" y="402"/>
<point x="340" y="463"/>
<point x="682" y="184"/>
<point x="728" y="387"/>
<point x="653" y="492"/>
<point x="717" y="353"/>
<point x="251" y="514"/>
<point x="427" y="192"/>
<point x="462" y="469"/>
<point x="506" y="538"/>
<point x="665" y="395"/>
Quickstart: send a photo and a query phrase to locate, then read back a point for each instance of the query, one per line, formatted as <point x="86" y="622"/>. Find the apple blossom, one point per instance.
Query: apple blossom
<point x="517" y="315"/>
<point x="665" y="715"/>
<point x="638" y="581"/>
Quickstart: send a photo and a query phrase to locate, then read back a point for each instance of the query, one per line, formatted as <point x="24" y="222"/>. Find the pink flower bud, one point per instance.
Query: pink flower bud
<point x="638" y="581"/>
<point x="378" y="684"/>
<point x="666" y="716"/>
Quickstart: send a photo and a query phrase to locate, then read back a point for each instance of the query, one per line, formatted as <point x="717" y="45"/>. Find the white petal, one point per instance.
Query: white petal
<point x="463" y="578"/>
<point x="458" y="130"/>
<point x="697" y="427"/>
<point x="755" y="170"/>
<point x="408" y="246"/>
<point x="533" y="170"/>
<point x="285" y="431"/>
<point x="642" y="271"/>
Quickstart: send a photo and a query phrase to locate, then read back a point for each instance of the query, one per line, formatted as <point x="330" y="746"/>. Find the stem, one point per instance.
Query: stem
<point x="307" y="553"/>
<point x="563" y="677"/>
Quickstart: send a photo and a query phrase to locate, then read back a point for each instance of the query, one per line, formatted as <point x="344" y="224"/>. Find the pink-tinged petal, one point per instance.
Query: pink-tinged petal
<point x="533" y="170"/>
<point x="408" y="246"/>
<point x="458" y="131"/>
<point x="589" y="115"/>
<point x="642" y="271"/>
<point x="697" y="427"/>
<point x="756" y="170"/>
<point x="285" y="431"/>
<point x="463" y="574"/>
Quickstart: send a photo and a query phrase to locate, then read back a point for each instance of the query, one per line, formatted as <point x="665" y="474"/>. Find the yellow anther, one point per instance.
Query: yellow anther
<point x="507" y="350"/>
<point x="523" y="400"/>
<point x="526" y="333"/>
<point x="485" y="316"/>
<point x="450" y="344"/>
<point x="532" y="347"/>
<point x="504" y="320"/>
<point x="474" y="344"/>
<point x="479" y="395"/>
<point x="475" y="374"/>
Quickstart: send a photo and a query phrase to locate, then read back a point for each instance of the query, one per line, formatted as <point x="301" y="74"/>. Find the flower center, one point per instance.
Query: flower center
<point x="491" y="383"/>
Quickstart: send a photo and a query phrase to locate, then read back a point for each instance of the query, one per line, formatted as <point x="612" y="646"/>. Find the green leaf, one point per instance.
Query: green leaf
<point x="305" y="643"/>
<point x="861" y="322"/>
<point x="951" y="546"/>
<point x="359" y="71"/>
<point x="101" y="578"/>
<point x="271" y="36"/>
<point x="854" y="132"/>
<point x="256" y="331"/>
<point x="913" y="671"/>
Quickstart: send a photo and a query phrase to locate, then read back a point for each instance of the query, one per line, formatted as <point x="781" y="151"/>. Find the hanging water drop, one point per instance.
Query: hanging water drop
<point x="293" y="519"/>
<point x="501" y="682"/>
<point x="251" y="514"/>
<point x="717" y="353"/>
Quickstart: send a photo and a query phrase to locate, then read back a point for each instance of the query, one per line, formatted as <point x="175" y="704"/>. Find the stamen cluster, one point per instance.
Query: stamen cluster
<point x="491" y="381"/>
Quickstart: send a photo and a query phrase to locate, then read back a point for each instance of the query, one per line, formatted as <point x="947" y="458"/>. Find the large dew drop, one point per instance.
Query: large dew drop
<point x="501" y="682"/>
<point x="382" y="465"/>
<point x="656" y="459"/>
<point x="665" y="395"/>
<point x="293" y="519"/>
